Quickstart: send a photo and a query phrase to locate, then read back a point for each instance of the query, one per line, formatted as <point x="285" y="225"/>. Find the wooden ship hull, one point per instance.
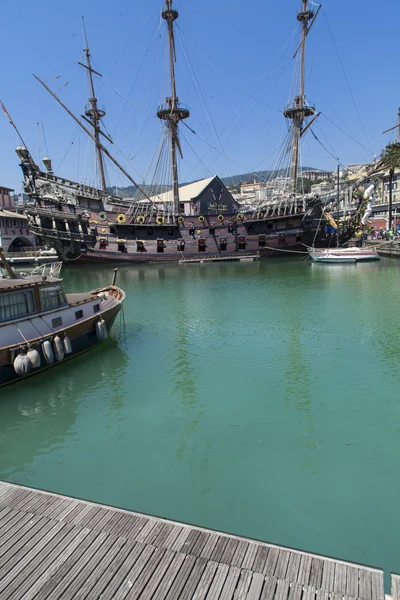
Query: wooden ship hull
<point x="77" y="321"/>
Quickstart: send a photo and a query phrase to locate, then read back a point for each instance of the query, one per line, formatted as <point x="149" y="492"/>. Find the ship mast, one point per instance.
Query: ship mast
<point x="94" y="114"/>
<point x="171" y="112"/>
<point x="299" y="109"/>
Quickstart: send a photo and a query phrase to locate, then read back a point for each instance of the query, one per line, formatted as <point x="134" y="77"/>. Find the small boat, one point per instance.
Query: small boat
<point x="343" y="255"/>
<point x="40" y="325"/>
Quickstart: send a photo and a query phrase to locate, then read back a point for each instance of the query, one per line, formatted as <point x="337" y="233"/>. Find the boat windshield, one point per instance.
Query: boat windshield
<point x="52" y="297"/>
<point x="17" y="304"/>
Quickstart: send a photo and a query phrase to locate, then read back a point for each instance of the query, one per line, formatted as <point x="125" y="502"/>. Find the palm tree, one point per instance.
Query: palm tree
<point x="390" y="160"/>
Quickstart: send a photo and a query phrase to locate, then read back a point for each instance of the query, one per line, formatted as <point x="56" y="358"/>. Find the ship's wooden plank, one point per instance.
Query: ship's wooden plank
<point x="50" y="572"/>
<point x="303" y="576"/>
<point x="293" y="566"/>
<point x="268" y="591"/>
<point x="150" y="590"/>
<point x="193" y="579"/>
<point x="260" y="559"/>
<point x="317" y="565"/>
<point x="43" y="562"/>
<point x="365" y="584"/>
<point x="256" y="586"/>
<point x="230" y="584"/>
<point x="378" y="585"/>
<point x="328" y="575"/>
<point x="218" y="582"/>
<point x="243" y="584"/>
<point x="270" y="563"/>
<point x="282" y="564"/>
<point x="205" y="581"/>
<point x="339" y="582"/>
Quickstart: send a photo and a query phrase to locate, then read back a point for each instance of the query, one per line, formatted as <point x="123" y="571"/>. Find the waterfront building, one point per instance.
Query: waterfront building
<point x="6" y="198"/>
<point x="207" y="196"/>
<point x="316" y="174"/>
<point x="14" y="231"/>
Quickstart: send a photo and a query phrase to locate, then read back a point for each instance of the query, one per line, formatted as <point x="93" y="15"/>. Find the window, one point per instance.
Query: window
<point x="16" y="304"/>
<point x="79" y="314"/>
<point x="51" y="297"/>
<point x="96" y="308"/>
<point x="57" y="322"/>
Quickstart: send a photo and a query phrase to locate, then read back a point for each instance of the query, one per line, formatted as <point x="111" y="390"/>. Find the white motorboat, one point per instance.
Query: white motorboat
<point x="343" y="255"/>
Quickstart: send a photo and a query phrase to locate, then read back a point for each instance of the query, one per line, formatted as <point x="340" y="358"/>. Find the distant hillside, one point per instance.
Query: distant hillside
<point x="131" y="192"/>
<point x="259" y="176"/>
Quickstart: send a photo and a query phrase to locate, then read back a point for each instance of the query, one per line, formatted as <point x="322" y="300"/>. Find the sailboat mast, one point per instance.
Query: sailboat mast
<point x="93" y="113"/>
<point x="299" y="110"/>
<point x="171" y="112"/>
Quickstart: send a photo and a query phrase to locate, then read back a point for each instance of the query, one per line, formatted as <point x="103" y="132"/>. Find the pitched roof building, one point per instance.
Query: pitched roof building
<point x="204" y="197"/>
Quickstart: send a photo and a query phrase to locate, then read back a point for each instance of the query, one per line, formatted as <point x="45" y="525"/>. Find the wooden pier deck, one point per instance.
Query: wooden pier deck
<point x="55" y="547"/>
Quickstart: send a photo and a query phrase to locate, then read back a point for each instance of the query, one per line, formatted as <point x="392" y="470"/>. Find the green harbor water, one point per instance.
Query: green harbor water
<point x="261" y="399"/>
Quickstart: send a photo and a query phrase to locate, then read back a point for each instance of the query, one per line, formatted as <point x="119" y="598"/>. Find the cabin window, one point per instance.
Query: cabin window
<point x="96" y="308"/>
<point x="57" y="322"/>
<point x="51" y="297"/>
<point x="16" y="304"/>
<point x="79" y="314"/>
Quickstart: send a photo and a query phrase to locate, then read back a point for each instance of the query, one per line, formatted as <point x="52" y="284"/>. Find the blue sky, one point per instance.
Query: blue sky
<point x="240" y="52"/>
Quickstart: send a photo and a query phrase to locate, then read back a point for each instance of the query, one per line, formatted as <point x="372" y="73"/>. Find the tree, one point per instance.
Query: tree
<point x="390" y="159"/>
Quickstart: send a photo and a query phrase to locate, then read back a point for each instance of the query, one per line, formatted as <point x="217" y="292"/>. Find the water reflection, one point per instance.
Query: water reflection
<point x="44" y="408"/>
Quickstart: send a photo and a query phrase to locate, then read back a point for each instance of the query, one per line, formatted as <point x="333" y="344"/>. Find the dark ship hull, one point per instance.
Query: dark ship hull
<point x="191" y="240"/>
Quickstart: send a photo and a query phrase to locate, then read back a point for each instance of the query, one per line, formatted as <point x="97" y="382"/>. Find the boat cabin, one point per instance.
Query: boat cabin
<point x="21" y="298"/>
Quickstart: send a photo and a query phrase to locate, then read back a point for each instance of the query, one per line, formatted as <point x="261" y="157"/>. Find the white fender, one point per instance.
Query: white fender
<point x="58" y="349"/>
<point x="34" y="357"/>
<point x="22" y="364"/>
<point x="67" y="345"/>
<point x="48" y="352"/>
<point x="101" y="330"/>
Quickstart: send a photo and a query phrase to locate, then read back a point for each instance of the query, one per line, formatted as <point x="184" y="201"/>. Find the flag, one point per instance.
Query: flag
<point x="6" y="113"/>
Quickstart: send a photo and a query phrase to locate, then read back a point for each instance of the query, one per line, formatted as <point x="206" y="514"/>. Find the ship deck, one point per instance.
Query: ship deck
<point x="56" y="547"/>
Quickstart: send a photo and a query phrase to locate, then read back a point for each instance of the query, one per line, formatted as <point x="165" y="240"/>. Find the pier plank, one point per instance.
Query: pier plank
<point x="218" y="582"/>
<point x="230" y="583"/>
<point x="269" y="588"/>
<point x="193" y="579"/>
<point x="57" y="548"/>
<point x="395" y="586"/>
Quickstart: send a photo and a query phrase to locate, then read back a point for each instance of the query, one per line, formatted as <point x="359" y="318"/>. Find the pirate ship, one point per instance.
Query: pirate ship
<point x="81" y="221"/>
